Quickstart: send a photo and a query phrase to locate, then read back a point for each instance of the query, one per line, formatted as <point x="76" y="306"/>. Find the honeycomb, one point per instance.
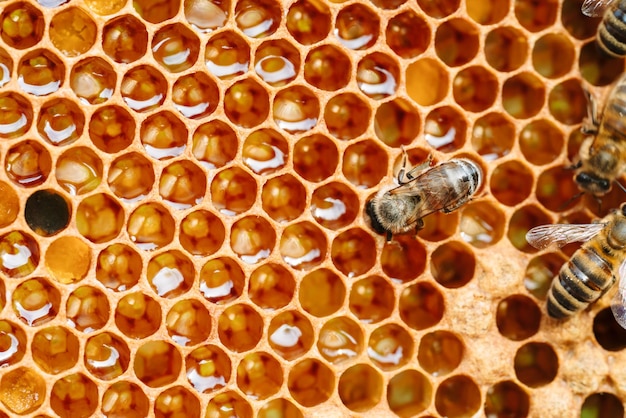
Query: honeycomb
<point x="182" y="227"/>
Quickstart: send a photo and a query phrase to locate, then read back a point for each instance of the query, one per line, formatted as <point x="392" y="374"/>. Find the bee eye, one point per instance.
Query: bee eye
<point x="623" y="208"/>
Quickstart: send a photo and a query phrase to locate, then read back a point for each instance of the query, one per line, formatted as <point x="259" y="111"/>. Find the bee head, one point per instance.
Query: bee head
<point x="593" y="184"/>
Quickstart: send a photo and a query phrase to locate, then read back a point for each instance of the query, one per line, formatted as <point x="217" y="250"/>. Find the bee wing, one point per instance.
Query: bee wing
<point x="595" y="8"/>
<point x="543" y="236"/>
<point x="618" y="303"/>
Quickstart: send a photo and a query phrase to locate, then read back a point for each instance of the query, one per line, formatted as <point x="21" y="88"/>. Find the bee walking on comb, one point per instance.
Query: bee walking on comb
<point x="611" y="36"/>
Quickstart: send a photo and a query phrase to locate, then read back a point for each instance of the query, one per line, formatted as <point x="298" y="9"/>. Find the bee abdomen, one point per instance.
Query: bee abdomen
<point x="612" y="31"/>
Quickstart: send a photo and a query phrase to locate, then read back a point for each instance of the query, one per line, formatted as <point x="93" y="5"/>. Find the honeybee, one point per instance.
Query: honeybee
<point x="611" y="34"/>
<point x="421" y="191"/>
<point x="592" y="270"/>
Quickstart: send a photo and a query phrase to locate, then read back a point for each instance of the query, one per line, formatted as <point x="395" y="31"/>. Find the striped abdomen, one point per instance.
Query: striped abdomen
<point x="581" y="281"/>
<point x="612" y="30"/>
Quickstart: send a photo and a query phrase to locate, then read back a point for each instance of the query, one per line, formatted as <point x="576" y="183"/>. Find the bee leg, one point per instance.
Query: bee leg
<point x="590" y="123"/>
<point x="574" y="166"/>
<point x="419" y="225"/>
<point x="412" y="173"/>
<point x="389" y="235"/>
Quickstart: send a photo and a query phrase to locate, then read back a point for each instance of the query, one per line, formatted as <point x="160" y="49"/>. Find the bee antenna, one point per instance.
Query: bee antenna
<point x="621" y="186"/>
<point x="574" y="166"/>
<point x="570" y="200"/>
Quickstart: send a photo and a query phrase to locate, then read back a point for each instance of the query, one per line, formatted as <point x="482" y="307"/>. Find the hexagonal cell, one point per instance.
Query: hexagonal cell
<point x="440" y="352"/>
<point x="397" y="123"/>
<point x="201" y="233"/>
<point x="372" y="299"/>
<point x="106" y="356"/>
<point x="79" y="170"/>
<point x="378" y="75"/>
<point x="540" y="271"/>
<point x="361" y="36"/>
<point x="556" y="188"/>
<point x="334" y="205"/>
<point x="438" y="226"/>
<point x="521" y="222"/>
<point x="279" y="407"/>
<point x="445" y="129"/>
<point x="576" y="23"/>
<point x="541" y="142"/>
<point x="409" y="393"/>
<point x="206" y="15"/>
<point x="456" y="42"/>
<point x="518" y="317"/>
<point x="283" y="198"/>
<point x="208" y="368"/>
<point x="277" y="62"/>
<point x="347" y="116"/>
<point x="327" y="68"/>
<point x="93" y="81"/>
<point x="233" y="191"/>
<point x="364" y="164"/>
<point x="523" y="95"/>
<point x="226" y="403"/>
<point x="252" y="238"/>
<point x="475" y="88"/>
<point x="9" y="204"/>
<point x="143" y="88"/>
<point x="72" y="32"/>
<point x="421" y="305"/>
<point x="458" y="396"/>
<point x="265" y="151"/>
<point x="28" y="163"/>
<point x="156" y="12"/>
<point x="20" y="254"/>
<point x="536" y="15"/>
<point x="118" y="267"/>
<point x="227" y="55"/>
<point x="407" y="34"/>
<point x="99" y="218"/>
<point x="55" y="349"/>
<point x="47" y="212"/>
<point x="403" y="259"/>
<point x="195" y="95"/>
<point x="68" y="259"/>
<point x="453" y="264"/>
<point x="553" y="55"/>
<point x="290" y="334"/>
<point x="340" y="340"/>
<point x="16" y="115"/>
<point x="214" y="144"/>
<point x="131" y="177"/>
<point x="511" y="182"/>
<point x="258" y="19"/>
<point x="111" y="129"/>
<point x="124" y="399"/>
<point x="151" y="226"/>
<point x="308" y="21"/>
<point x="13" y="343"/>
<point x="390" y="347"/>
<point x="607" y="332"/>
<point x="506" y="48"/>
<point x="602" y="404"/>
<point x="536" y="364"/>
<point x="426" y="81"/>
<point x="599" y="68"/>
<point x="353" y="252"/>
<point x="60" y="122"/>
<point x="170" y="274"/>
<point x="175" y="47"/>
<point x="240" y="328"/>
<point x="22" y="25"/>
<point x="508" y="399"/>
<point x="188" y="322"/>
<point x="482" y="224"/>
<point x="177" y="401"/>
<point x="157" y="363"/>
<point x="182" y="184"/>
<point x="315" y="157"/>
<point x="296" y="109"/>
<point x="311" y="382"/>
<point x="87" y="309"/>
<point x="74" y="395"/>
<point x="322" y="292"/>
<point x="259" y="375"/>
<point x="360" y="387"/>
<point x="138" y="315"/>
<point x="221" y="280"/>
<point x="36" y="301"/>
<point x="487" y="13"/>
<point x="246" y="103"/>
<point x="303" y="245"/>
<point x="22" y="390"/>
<point x="567" y="102"/>
<point x="163" y="135"/>
<point x="124" y="39"/>
<point x="271" y="286"/>
<point x="40" y="72"/>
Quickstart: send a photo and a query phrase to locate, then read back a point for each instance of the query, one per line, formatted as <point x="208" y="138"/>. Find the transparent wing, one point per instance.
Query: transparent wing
<point x="595" y="8"/>
<point x="560" y="234"/>
<point x="618" y="303"/>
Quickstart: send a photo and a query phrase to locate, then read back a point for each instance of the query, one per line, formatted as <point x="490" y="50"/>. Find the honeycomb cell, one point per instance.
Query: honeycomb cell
<point x="426" y="81"/>
<point x="118" y="267"/>
<point x="311" y="382"/>
<point x="438" y="226"/>
<point x="60" y="122"/>
<point x="131" y="177"/>
<point x="507" y="399"/>
<point x="271" y="286"/>
<point x="308" y="21"/>
<point x="201" y="233"/>
<point x="55" y="349"/>
<point x="523" y="95"/>
<point x="93" y="80"/>
<point x="407" y="34"/>
<point x="233" y="191"/>
<point x="456" y="42"/>
<point x="40" y="72"/>
<point x="493" y="136"/>
<point x="403" y="259"/>
<point x="176" y="401"/>
<point x="340" y="340"/>
<point x="440" y="352"/>
<point x="296" y="109"/>
<point x="143" y="88"/>
<point x="138" y="315"/>
<point x="16" y="115"/>
<point x="221" y="280"/>
<point x="156" y="12"/>
<point x="195" y="95"/>
<point x="555" y="189"/>
<point x="19" y="254"/>
<point x="518" y="317"/>
<point x="540" y="271"/>
<point x="482" y="224"/>
<point x="157" y="363"/>
<point x="227" y="55"/>
<point x="265" y="151"/>
<point x="598" y="68"/>
<point x="208" y="368"/>
<point x="214" y="144"/>
<point x="290" y="335"/>
<point x="521" y="222"/>
<point x="487" y="13"/>
<point x="327" y="68"/>
<point x="124" y="399"/>
<point x="182" y="184"/>
<point x="357" y="27"/>
<point x="541" y="142"/>
<point x="303" y="245"/>
<point x="511" y="182"/>
<point x="206" y="15"/>
<point x="475" y="88"/>
<point x="170" y="274"/>
<point x="257" y="19"/>
<point x="607" y="332"/>
<point x="445" y="129"/>
<point x="334" y="205"/>
<point x="457" y="396"/>
<point x="68" y="259"/>
<point x="106" y="356"/>
<point x="175" y="47"/>
<point x="347" y="116"/>
<point x="6" y="67"/>
<point x="390" y="347"/>
<point x="124" y="39"/>
<point x="240" y="328"/>
<point x="278" y="408"/>
<point x="151" y="226"/>
<point x="103" y="7"/>
<point x="163" y="135"/>
<point x="28" y="163"/>
<point x="111" y="129"/>
<point x="22" y="25"/>
<point x="87" y="309"/>
<point x="364" y="163"/>
<point x="9" y="204"/>
<point x="377" y="75"/>
<point x="99" y="218"/>
<point x="506" y="48"/>
<point x="259" y="375"/>
<point x="22" y="390"/>
<point x="536" y="364"/>
<point x="321" y="292"/>
<point x="353" y="252"/>
<point x="409" y="393"/>
<point x="602" y="404"/>
<point x="47" y="212"/>
<point x="553" y="55"/>
<point x="252" y="239"/>
<point x="36" y="301"/>
<point x="452" y="265"/>
<point x="246" y="103"/>
<point x="74" y="395"/>
<point x="283" y="198"/>
<point x="421" y="305"/>
<point x="277" y="62"/>
<point x="315" y="158"/>
<point x="536" y="15"/>
<point x="78" y="170"/>
<point x="227" y="403"/>
<point x="72" y="32"/>
<point x="188" y="322"/>
<point x="567" y="102"/>
<point x="360" y="387"/>
<point x="13" y="343"/>
<point x="372" y="299"/>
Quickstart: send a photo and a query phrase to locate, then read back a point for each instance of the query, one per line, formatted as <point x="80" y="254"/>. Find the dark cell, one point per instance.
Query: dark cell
<point x="47" y="212"/>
